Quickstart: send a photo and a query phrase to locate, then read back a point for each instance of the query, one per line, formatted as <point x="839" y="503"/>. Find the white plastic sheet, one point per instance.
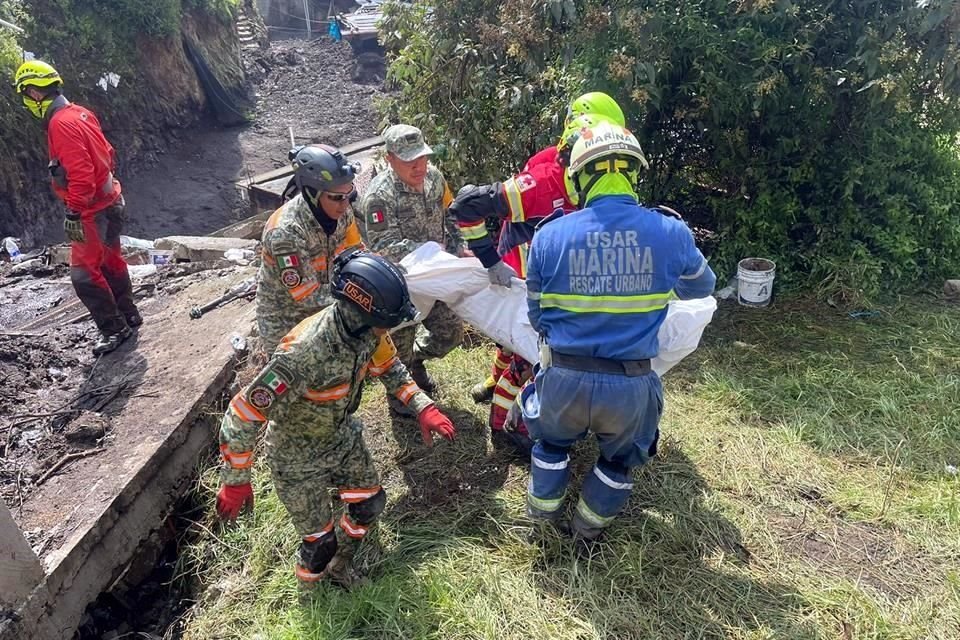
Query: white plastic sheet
<point x="501" y="313"/>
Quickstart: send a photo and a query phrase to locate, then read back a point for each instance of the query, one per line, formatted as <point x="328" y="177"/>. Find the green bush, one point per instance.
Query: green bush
<point x="820" y="134"/>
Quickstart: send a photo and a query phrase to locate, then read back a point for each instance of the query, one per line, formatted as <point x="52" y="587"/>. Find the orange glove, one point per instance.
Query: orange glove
<point x="232" y="499"/>
<point x="432" y="420"/>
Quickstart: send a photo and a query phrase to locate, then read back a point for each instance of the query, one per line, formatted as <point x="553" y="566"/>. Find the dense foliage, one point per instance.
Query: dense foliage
<point x="822" y="134"/>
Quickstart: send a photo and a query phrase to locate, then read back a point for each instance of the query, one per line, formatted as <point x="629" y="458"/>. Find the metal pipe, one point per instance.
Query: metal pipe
<point x="10" y="25"/>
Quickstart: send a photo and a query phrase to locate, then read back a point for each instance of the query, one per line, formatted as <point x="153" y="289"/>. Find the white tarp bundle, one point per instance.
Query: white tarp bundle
<point x="501" y="313"/>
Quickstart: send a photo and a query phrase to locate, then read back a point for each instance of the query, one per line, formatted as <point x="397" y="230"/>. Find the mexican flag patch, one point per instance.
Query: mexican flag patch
<point x="376" y="217"/>
<point x="288" y="260"/>
<point x="275" y="382"/>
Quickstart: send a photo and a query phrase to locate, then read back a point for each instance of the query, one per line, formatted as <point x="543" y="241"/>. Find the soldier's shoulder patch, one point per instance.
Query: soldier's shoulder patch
<point x="376" y="213"/>
<point x="290" y="278"/>
<point x="272" y="383"/>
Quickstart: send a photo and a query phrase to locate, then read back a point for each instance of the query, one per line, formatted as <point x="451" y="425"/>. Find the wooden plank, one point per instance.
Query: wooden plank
<point x="285" y="172"/>
<point x="20" y="569"/>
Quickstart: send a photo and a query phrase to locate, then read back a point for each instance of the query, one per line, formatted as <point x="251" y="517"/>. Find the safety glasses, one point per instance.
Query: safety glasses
<point x="340" y="197"/>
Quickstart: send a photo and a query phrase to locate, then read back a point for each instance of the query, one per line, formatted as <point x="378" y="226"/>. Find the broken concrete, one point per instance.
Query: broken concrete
<point x="201" y="248"/>
<point x="97" y="510"/>
<point x="19" y="567"/>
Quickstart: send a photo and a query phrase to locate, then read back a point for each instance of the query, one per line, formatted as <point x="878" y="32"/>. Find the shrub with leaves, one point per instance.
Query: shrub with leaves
<point x="823" y="135"/>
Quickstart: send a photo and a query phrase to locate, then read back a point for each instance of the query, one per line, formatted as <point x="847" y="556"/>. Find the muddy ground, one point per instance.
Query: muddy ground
<point x="307" y="85"/>
<point x="47" y="408"/>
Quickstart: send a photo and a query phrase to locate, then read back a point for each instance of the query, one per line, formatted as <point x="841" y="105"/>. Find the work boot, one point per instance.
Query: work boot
<point x="134" y="319"/>
<point x="109" y="342"/>
<point x="483" y="391"/>
<point x="422" y="377"/>
<point x="398" y="408"/>
<point x="517" y="445"/>
<point x="341" y="572"/>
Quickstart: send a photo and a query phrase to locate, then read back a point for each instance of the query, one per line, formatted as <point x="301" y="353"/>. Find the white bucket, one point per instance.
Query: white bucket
<point x="755" y="281"/>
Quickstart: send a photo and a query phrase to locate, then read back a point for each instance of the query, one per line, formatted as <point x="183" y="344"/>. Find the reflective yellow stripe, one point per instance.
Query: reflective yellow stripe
<point x="502" y="402"/>
<point x="591" y="516"/>
<point x="504" y="385"/>
<point x="514" y="200"/>
<point x="606" y="304"/>
<point x="474" y="231"/>
<point x="523" y="260"/>
<point x="545" y="504"/>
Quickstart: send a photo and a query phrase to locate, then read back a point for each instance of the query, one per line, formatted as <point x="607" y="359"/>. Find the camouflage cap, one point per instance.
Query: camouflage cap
<point x="406" y="142"/>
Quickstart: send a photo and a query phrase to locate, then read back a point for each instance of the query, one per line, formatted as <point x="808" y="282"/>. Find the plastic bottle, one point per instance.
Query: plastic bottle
<point x="12" y="249"/>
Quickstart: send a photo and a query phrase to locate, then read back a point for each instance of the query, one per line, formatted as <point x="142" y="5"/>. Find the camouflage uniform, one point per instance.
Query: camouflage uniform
<point x="294" y="282"/>
<point x="306" y="395"/>
<point x="398" y="219"/>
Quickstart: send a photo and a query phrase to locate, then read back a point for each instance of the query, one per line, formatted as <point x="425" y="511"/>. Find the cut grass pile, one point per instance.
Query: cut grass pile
<point x="806" y="487"/>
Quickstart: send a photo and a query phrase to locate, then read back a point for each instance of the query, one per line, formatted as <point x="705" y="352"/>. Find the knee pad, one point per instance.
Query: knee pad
<point x="316" y="553"/>
<point x="366" y="512"/>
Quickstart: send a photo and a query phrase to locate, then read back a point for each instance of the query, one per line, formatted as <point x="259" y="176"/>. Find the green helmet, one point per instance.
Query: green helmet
<point x="596" y="103"/>
<point x="571" y="132"/>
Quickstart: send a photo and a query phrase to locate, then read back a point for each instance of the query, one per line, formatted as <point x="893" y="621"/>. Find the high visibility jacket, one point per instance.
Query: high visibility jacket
<point x="81" y="160"/>
<point x="520" y="201"/>
<point x="599" y="280"/>
<point x="294" y="277"/>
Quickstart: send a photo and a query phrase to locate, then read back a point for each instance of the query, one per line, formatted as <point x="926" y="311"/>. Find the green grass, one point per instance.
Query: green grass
<point x="801" y="491"/>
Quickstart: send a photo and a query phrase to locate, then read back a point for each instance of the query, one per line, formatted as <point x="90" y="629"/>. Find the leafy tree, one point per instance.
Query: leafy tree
<point x="823" y="134"/>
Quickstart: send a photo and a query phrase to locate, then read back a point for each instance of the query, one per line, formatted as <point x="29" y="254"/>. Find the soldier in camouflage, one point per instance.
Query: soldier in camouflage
<point x="405" y="206"/>
<point x="301" y="239"/>
<point x="306" y="395"/>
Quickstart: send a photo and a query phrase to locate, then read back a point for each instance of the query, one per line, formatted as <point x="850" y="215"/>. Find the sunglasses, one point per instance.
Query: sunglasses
<point x="340" y="197"/>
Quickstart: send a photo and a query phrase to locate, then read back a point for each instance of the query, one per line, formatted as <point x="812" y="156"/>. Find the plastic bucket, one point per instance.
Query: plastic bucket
<point x="755" y="281"/>
<point x="161" y="256"/>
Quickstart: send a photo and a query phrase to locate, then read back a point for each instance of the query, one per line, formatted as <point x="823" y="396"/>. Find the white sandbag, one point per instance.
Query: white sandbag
<point x="501" y="314"/>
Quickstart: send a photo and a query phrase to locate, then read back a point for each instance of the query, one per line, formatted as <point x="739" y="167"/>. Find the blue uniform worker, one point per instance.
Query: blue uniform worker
<point x="599" y="281"/>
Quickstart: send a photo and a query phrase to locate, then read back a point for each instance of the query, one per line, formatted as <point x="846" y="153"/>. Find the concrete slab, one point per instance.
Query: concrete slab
<point x="97" y="510"/>
<point x="202" y="248"/>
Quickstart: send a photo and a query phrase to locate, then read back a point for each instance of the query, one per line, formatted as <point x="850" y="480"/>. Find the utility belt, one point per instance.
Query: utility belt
<point x="629" y="368"/>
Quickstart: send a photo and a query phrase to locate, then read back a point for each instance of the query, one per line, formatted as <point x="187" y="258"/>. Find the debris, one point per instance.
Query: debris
<point x="64" y="460"/>
<point x="246" y="288"/>
<point x="240" y="256"/>
<point x="140" y="271"/>
<point x="11" y="249"/>
<point x="136" y="243"/>
<point x="200" y="248"/>
<point x="239" y="343"/>
<point x="951" y="469"/>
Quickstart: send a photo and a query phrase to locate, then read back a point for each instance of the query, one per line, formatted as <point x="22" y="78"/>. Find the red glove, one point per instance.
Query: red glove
<point x="432" y="420"/>
<point x="232" y="499"/>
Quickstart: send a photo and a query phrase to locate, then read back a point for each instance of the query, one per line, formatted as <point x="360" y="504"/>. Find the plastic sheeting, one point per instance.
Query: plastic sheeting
<point x="501" y="313"/>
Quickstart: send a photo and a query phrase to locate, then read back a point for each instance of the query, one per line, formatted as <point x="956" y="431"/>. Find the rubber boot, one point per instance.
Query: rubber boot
<point x="483" y="391"/>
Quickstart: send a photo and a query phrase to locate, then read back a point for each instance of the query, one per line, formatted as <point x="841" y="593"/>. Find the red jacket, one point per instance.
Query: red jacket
<point x="77" y="144"/>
